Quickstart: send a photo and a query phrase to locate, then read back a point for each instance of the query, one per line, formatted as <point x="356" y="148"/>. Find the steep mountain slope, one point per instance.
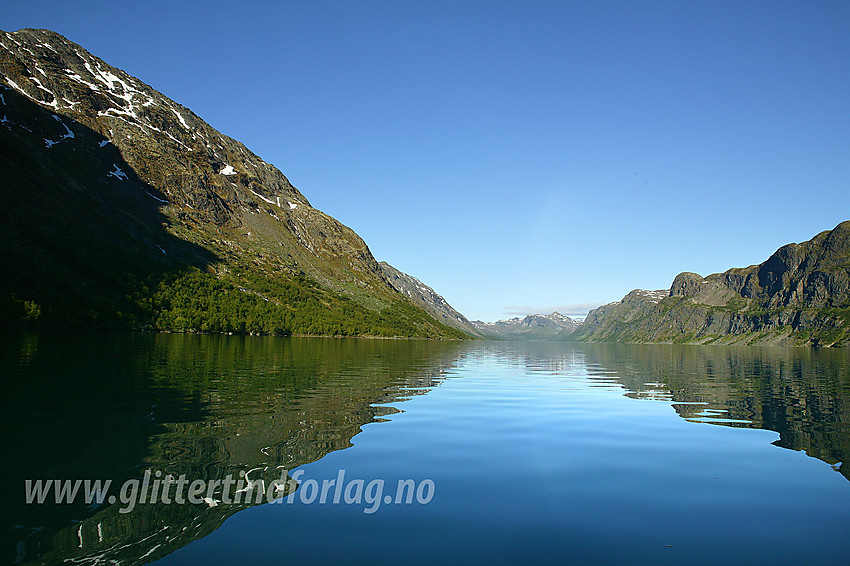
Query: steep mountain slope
<point x="126" y="209"/>
<point x="799" y="296"/>
<point x="427" y="298"/>
<point x="554" y="326"/>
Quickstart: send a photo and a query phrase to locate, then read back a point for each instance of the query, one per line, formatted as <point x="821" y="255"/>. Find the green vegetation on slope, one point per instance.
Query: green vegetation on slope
<point x="199" y="301"/>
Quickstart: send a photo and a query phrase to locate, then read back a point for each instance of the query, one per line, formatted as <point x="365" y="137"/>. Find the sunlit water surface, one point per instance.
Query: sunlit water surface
<point x="536" y="452"/>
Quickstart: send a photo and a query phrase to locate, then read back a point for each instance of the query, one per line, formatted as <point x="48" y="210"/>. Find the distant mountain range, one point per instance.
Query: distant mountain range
<point x="800" y="296"/>
<point x="554" y="326"/>
<point x="123" y="209"/>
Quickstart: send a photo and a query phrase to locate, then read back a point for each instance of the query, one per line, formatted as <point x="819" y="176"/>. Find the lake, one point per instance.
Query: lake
<point x="422" y="451"/>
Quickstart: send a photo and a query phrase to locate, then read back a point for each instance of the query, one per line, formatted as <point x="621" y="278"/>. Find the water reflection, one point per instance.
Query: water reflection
<point x="106" y="406"/>
<point x="803" y="394"/>
<point x="111" y="406"/>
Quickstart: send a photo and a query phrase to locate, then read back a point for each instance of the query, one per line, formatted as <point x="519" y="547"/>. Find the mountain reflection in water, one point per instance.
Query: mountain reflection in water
<point x="110" y="406"/>
<point x="801" y="393"/>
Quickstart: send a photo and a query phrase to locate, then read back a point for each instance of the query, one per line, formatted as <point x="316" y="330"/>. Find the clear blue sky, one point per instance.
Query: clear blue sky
<point x="517" y="156"/>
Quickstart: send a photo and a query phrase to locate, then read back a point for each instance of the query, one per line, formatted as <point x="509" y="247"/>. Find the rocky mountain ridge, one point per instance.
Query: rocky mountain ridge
<point x="799" y="296"/>
<point x="424" y="296"/>
<point x="553" y="326"/>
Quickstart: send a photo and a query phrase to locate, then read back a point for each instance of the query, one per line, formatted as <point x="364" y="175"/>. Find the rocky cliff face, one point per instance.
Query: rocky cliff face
<point x="209" y="177"/>
<point x="799" y="296"/>
<point x="90" y="149"/>
<point x="424" y="296"/>
<point x="554" y="326"/>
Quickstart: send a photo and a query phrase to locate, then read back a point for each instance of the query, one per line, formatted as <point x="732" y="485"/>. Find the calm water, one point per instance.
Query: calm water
<point x="522" y="452"/>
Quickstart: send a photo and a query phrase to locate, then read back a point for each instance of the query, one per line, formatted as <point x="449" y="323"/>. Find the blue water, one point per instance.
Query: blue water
<point x="536" y="452"/>
<point x="548" y="463"/>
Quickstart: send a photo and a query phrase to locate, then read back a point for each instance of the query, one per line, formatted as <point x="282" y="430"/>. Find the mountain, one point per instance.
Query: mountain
<point x="428" y="299"/>
<point x="800" y="296"/>
<point x="554" y="326"/>
<point x="125" y="210"/>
